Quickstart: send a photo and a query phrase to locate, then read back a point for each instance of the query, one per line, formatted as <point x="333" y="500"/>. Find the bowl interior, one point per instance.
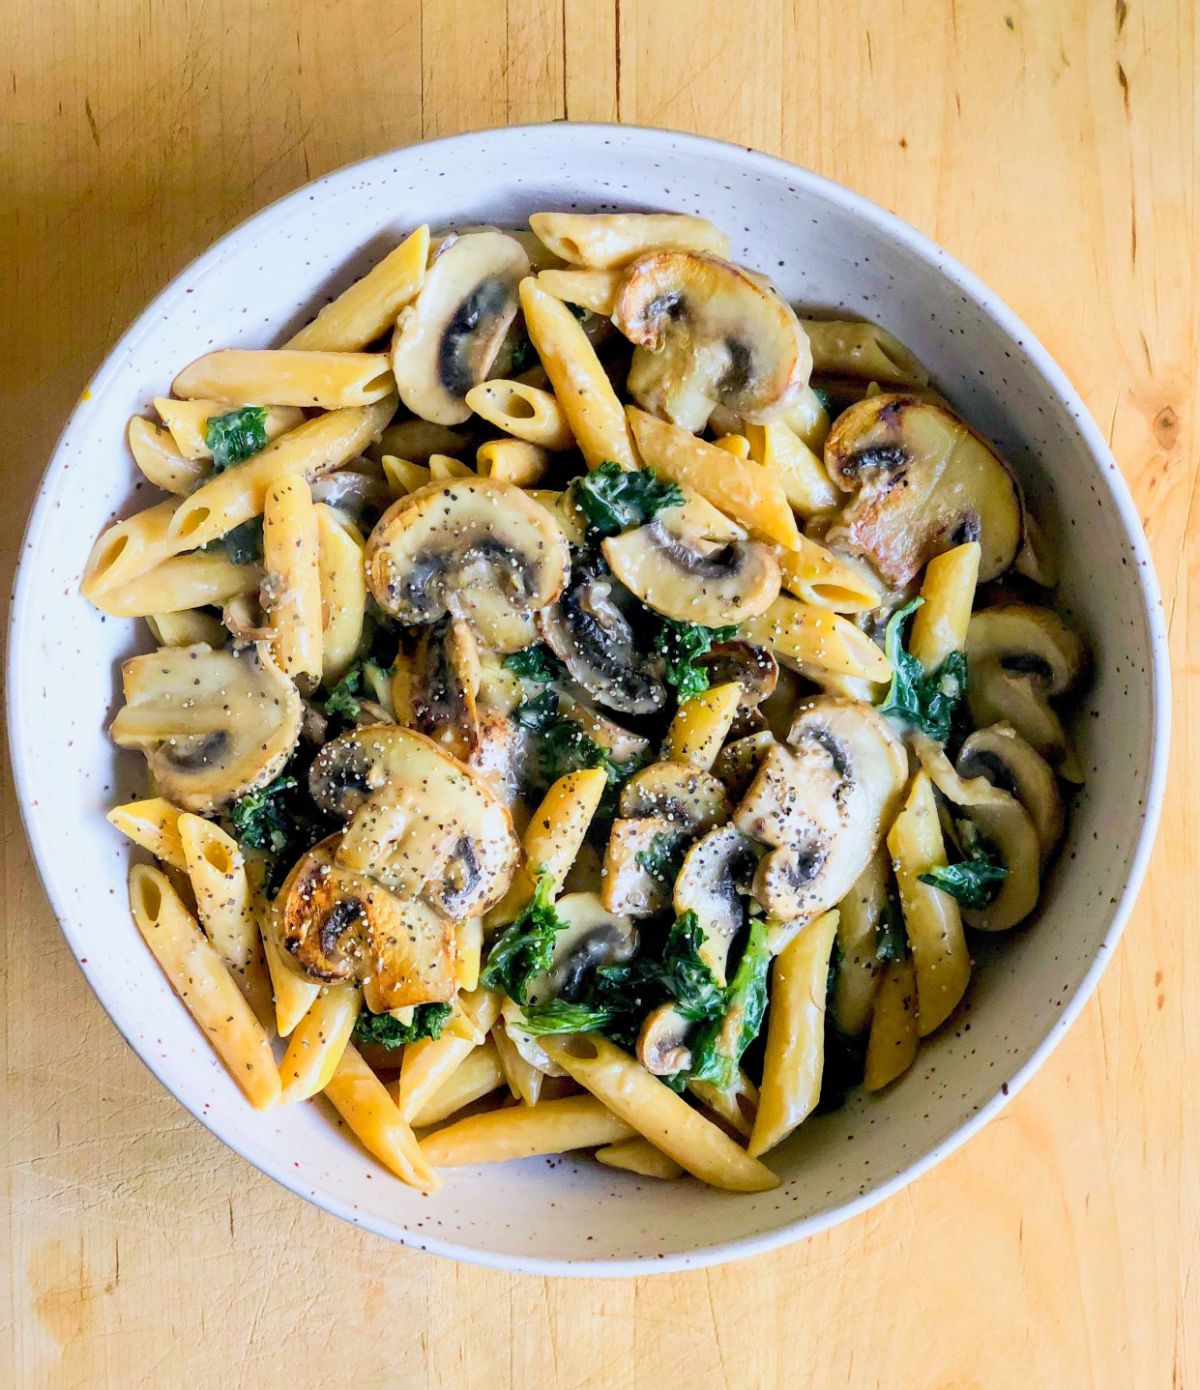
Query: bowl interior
<point x="823" y="248"/>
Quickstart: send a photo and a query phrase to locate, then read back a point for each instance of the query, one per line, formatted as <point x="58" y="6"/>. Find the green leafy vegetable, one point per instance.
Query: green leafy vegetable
<point x="845" y="1055"/>
<point x="681" y="645"/>
<point x="383" y="1030"/>
<point x="280" y="820"/>
<point x="261" y="819"/>
<point x="526" y="948"/>
<point x="977" y="878"/>
<point x="560" y="746"/>
<point x="684" y="973"/>
<point x="613" y="500"/>
<point x="360" y="679"/>
<point x="931" y="703"/>
<point x="243" y="545"/>
<point x="580" y="312"/>
<point x="718" y="1047"/>
<point x="236" y="435"/>
<point x="891" y="939"/>
<point x="535" y="663"/>
<point x="826" y="404"/>
<point x="663" y="859"/>
<point x="562" y="1016"/>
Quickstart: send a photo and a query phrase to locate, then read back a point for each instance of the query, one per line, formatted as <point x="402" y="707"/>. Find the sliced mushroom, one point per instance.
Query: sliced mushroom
<point x="244" y="617"/>
<point x="628" y="885"/>
<point x="754" y="668"/>
<point x="716" y="871"/>
<point x="593" y="639"/>
<point x="923" y="482"/>
<point x="738" y="761"/>
<point x="683" y="795"/>
<point x="622" y="745"/>
<point x="361" y="496"/>
<point x="709" y="333"/>
<point x="341" y="925"/>
<point x="448" y="338"/>
<point x="213" y="724"/>
<point x="1001" y="755"/>
<point x="662" y="1042"/>
<point x="419" y="821"/>
<point x="476" y="547"/>
<point x="692" y="580"/>
<point x="495" y="755"/>
<point x="1019" y="657"/>
<point x="434" y="688"/>
<point x="822" y="804"/>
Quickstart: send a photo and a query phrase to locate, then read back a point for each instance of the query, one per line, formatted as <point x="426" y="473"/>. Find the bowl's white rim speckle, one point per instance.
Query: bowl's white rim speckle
<point x="23" y="619"/>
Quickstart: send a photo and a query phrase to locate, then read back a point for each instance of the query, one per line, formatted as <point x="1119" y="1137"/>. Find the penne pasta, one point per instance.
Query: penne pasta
<point x="325" y="380"/>
<point x="701" y="725"/>
<point x="525" y="412"/>
<point x="159" y="458"/>
<point x="204" y="984"/>
<point x="795" y="1055"/>
<point x="802" y="475"/>
<point x="657" y="1113"/>
<point x="524" y="1131"/>
<point x="940" y="624"/>
<point x="639" y="1156"/>
<point x="468" y="950"/>
<point x="153" y="824"/>
<point x="736" y="444"/>
<point x="180" y="584"/>
<point x="808" y="419"/>
<point x="736" y="1104"/>
<point x="894" y="1037"/>
<point x="478" y="1075"/>
<point x="513" y="460"/>
<point x="292" y="587"/>
<point x="128" y="549"/>
<point x="814" y="641"/>
<point x="825" y="580"/>
<point x="188" y="422"/>
<point x="343" y="590"/>
<point x="417" y="440"/>
<point x="294" y="993"/>
<point x="361" y="1099"/>
<point x="368" y="308"/>
<point x="318" y="1041"/>
<point x="426" y="1067"/>
<point x="584" y="392"/>
<point x="523" y="1078"/>
<point x="604" y="240"/>
<point x="404" y="477"/>
<point x="218" y="873"/>
<point x="862" y="349"/>
<point x="931" y="917"/>
<point x="592" y="289"/>
<point x="442" y="468"/>
<point x="750" y="494"/>
<point x="859" y="915"/>
<point x="185" y="628"/>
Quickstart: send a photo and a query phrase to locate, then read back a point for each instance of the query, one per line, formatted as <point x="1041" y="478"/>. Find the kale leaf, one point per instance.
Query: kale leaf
<point x="236" y="435"/>
<point x="681" y="645"/>
<point x="613" y="500"/>
<point x="536" y="663"/>
<point x="977" y="878"/>
<point x="360" y="679"/>
<point x="891" y="939"/>
<point x="664" y="857"/>
<point x="281" y="821"/>
<point x="562" y="1016"/>
<point x="383" y="1030"/>
<point x="526" y="948"/>
<point x="560" y="745"/>
<point x="845" y="1055"/>
<point x="931" y="703"/>
<point x="718" y="1047"/>
<point x="686" y="975"/>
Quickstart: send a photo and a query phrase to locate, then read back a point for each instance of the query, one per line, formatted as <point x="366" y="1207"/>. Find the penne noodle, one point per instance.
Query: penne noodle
<point x="750" y="494"/>
<point x="204" y="984"/>
<point x="604" y="240"/>
<point x="639" y="1156"/>
<point x="417" y="440"/>
<point x="808" y="419"/>
<point x="940" y="624"/>
<point x="585" y="394"/>
<point x="128" y="549"/>
<point x="188" y="422"/>
<point x="737" y="1105"/>
<point x="524" y="1131"/>
<point x="468" y="952"/>
<point x="442" y="468"/>
<point x="318" y="446"/>
<point x="592" y="289"/>
<point x="931" y="917"/>
<point x="825" y="580"/>
<point x="736" y="444"/>
<point x="701" y="725"/>
<point x="318" y="1041"/>
<point x="218" y="874"/>
<point x="179" y="584"/>
<point x="361" y="1099"/>
<point x="862" y="349"/>
<point x="513" y="460"/>
<point x="343" y="590"/>
<point x="157" y="455"/>
<point x="404" y="477"/>
<point x="294" y="993"/>
<point x="478" y="1075"/>
<point x="524" y="1079"/>
<point x="657" y="1113"/>
<point x="185" y="628"/>
<point x="368" y="308"/>
<point x="859" y="969"/>
<point x="802" y="475"/>
<point x="795" y="1055"/>
<point x="292" y="587"/>
<point x="153" y="824"/>
<point x="281" y="376"/>
<point x="426" y="1067"/>
<point x="814" y="640"/>
<point x="525" y="412"/>
<point x="894" y="1039"/>
<point x="563" y="510"/>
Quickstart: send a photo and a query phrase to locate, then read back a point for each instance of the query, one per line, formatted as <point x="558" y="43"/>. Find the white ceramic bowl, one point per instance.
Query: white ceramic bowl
<point x="823" y="246"/>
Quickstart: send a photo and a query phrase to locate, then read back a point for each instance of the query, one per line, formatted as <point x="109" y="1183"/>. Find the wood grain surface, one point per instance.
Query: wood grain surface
<point x="1051" y="145"/>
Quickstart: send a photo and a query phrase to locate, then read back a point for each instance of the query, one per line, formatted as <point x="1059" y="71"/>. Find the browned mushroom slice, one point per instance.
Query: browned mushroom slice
<point x="634" y="882"/>
<point x="685" y="796"/>
<point x="434" y="687"/>
<point x="1001" y="755"/>
<point x="662" y="1041"/>
<point x="738" y="761"/>
<point x="922" y="482"/>
<point x="717" y="870"/>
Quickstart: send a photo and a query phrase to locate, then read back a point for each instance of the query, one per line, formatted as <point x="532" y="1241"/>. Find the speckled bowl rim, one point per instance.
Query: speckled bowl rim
<point x="1107" y="475"/>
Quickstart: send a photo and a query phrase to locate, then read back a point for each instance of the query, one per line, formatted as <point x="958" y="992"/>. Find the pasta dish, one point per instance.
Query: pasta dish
<point x="591" y="705"/>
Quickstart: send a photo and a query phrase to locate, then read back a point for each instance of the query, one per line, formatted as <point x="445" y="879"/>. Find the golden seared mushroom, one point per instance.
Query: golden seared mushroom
<point x="754" y="669"/>
<point x="213" y="724"/>
<point x="923" y="482"/>
<point x="822" y="804"/>
<point x="475" y="547"/>
<point x="1019" y="658"/>
<point x="716" y="871"/>
<point x="679" y="574"/>
<point x="1001" y="755"/>
<point x="435" y="686"/>
<point x="593" y="639"/>
<point x="708" y="334"/>
<point x="338" y="926"/>
<point x="683" y="795"/>
<point x="621" y="744"/>
<point x="662" y="1042"/>
<point x="738" y="761"/>
<point x="448" y="338"/>
<point x="639" y="862"/>
<point x="418" y="820"/>
<point x="494" y="759"/>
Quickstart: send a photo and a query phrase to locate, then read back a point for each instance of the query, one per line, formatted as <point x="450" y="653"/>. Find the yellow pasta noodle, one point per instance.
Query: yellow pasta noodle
<point x="639" y="1156"/>
<point x="825" y="580"/>
<point x="153" y="824"/>
<point x="157" y="455"/>
<point x="862" y="349"/>
<point x="417" y="440"/>
<point x="807" y="417"/>
<point x="188" y="422"/>
<point x="468" y="949"/>
<point x="603" y="240"/>
<point x="736" y="444"/>
<point x="736" y="1104"/>
<point x="183" y="582"/>
<point x="429" y="1064"/>
<point x="442" y="468"/>
<point x="814" y="640"/>
<point x="859" y="970"/>
<point x="524" y="1079"/>
<point x="361" y="1099"/>
<point x="523" y="411"/>
<point x="128" y="548"/>
<point x="404" y="477"/>
<point x="294" y="993"/>
<point x="593" y="289"/>
<point x="478" y="1075"/>
<point x="281" y="376"/>
<point x="700" y="726"/>
<point x="185" y="628"/>
<point x="218" y="874"/>
<point x="802" y="475"/>
<point x="292" y="588"/>
<point x="894" y="1039"/>
<point x="514" y="460"/>
<point x="940" y="624"/>
<point x="318" y="1041"/>
<point x="343" y="590"/>
<point x="524" y="1131"/>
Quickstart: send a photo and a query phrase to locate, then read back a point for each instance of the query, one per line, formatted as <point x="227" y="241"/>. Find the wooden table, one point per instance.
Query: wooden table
<point x="1051" y="144"/>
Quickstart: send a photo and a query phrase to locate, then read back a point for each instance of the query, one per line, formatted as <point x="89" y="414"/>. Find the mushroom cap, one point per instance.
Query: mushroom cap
<point x="822" y="803"/>
<point x="477" y="547"/>
<point x="1001" y="755"/>
<point x="923" y="482"/>
<point x="434" y="687"/>
<point x="627" y="885"/>
<point x="662" y="1041"/>
<point x="620" y="743"/>
<point x="341" y="925"/>
<point x="693" y="580"/>
<point x="447" y="339"/>
<point x="593" y="639"/>
<point x="419" y="821"/>
<point x="213" y="724"/>
<point x="709" y="333"/>
<point x="754" y="668"/>
<point x="685" y="796"/>
<point x="738" y="761"/>
<point x="717" y="869"/>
